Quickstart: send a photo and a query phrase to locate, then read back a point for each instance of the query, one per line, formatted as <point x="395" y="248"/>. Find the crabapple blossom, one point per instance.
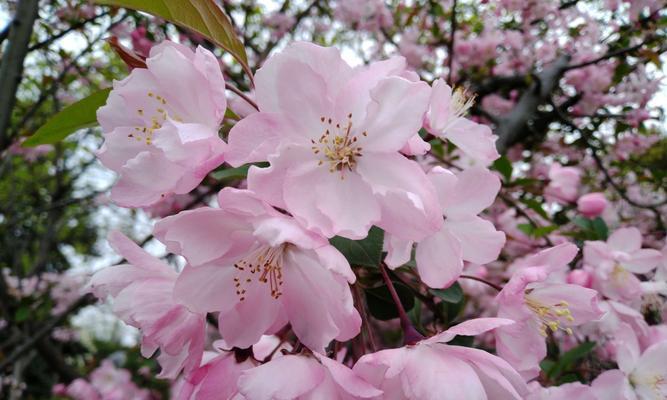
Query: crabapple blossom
<point x="538" y="306"/>
<point x="445" y="119"/>
<point x="463" y="236"/>
<point x="332" y="136"/>
<point x="641" y="375"/>
<point x="433" y="369"/>
<point x="616" y="261"/>
<point x="161" y="125"/>
<point x="143" y="293"/>
<point x="563" y="183"/>
<point x="301" y="377"/>
<point x="215" y="379"/>
<point x="591" y="205"/>
<point x="259" y="270"/>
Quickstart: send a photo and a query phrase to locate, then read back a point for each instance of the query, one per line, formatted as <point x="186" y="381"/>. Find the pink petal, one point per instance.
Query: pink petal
<point x="347" y="379"/>
<point x="439" y="259"/>
<point x="643" y="261"/>
<point x="627" y="240"/>
<point x="394" y="115"/>
<point x="476" y="189"/>
<point x="207" y="288"/>
<point x="283" y="378"/>
<point x="480" y="242"/>
<point x="254" y="137"/>
<point x="474" y="139"/>
<point x="410" y="208"/>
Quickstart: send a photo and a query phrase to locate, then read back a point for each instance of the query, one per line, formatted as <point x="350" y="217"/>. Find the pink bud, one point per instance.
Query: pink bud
<point x="59" y="389"/>
<point x="580" y="277"/>
<point x="592" y="204"/>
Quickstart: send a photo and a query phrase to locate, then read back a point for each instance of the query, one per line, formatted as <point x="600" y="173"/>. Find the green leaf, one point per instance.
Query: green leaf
<point x="202" y="16"/>
<point x="82" y="114"/>
<point x="231" y="173"/>
<point x="22" y="313"/>
<point x="535" y="206"/>
<point x="567" y="361"/>
<point x="600" y="228"/>
<point x="380" y="304"/>
<point x="366" y="252"/>
<point x="452" y="294"/>
<point x="504" y="166"/>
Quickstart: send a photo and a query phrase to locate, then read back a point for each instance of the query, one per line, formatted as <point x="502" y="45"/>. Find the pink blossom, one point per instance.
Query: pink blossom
<point x="80" y="389"/>
<point x="574" y="390"/>
<point x="161" y="125"/>
<point x="641" y="376"/>
<point x="332" y="135"/>
<point x="592" y="205"/>
<point x="140" y="43"/>
<point x="301" y="377"/>
<point x="563" y="184"/>
<point x="30" y="154"/>
<point x="539" y="306"/>
<point x="432" y="369"/>
<point x="143" y="297"/>
<point x="615" y="262"/>
<point x="445" y="119"/>
<point x="463" y="236"/>
<point x="580" y="277"/>
<point x="259" y="269"/>
<point x="215" y="379"/>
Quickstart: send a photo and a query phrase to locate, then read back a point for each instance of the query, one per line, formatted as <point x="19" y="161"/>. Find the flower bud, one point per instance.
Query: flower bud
<point x="591" y="205"/>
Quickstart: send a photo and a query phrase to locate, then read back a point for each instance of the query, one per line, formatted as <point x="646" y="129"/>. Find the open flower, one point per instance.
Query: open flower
<point x="563" y="183"/>
<point x="259" y="269"/>
<point x="143" y="297"/>
<point x="446" y="120"/>
<point x="615" y="262"/>
<point x="539" y="306"/>
<point x="161" y="125"/>
<point x="332" y="135"/>
<point x="215" y="379"/>
<point x="463" y="236"/>
<point x="641" y="376"/>
<point x="432" y="369"/>
<point x="301" y="377"/>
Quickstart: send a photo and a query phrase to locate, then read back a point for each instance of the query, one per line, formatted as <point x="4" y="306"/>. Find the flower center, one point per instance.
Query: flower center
<point x="553" y="317"/>
<point x="657" y="383"/>
<point x="338" y="146"/>
<point x="264" y="265"/>
<point x="461" y="102"/>
<point x="157" y="118"/>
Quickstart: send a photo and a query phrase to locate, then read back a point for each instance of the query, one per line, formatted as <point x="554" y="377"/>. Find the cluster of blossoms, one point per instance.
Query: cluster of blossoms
<point x="106" y="382"/>
<point x="334" y="151"/>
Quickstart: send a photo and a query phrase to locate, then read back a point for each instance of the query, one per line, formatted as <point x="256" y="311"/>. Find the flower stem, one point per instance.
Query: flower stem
<point x="410" y="334"/>
<point x="474" y="278"/>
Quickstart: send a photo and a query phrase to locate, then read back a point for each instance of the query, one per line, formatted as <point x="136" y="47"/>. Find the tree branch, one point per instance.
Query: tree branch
<point x="11" y="66"/>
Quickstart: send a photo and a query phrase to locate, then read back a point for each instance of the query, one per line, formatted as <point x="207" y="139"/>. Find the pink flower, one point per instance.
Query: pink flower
<point x="574" y="390"/>
<point x="538" y="306"/>
<point x="432" y="369"/>
<point x="300" y="377"/>
<point x="259" y="269"/>
<point x="161" y="125"/>
<point x="80" y="389"/>
<point x="641" y="376"/>
<point x="563" y="184"/>
<point x="141" y="43"/>
<point x="463" y="236"/>
<point x="445" y="120"/>
<point x="215" y="379"/>
<point x="143" y="297"/>
<point x="592" y="205"/>
<point x="332" y="135"/>
<point x="615" y="262"/>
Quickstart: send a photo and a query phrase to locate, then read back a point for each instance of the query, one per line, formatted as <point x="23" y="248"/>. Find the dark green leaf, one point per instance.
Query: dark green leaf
<point x="504" y="166"/>
<point x="82" y="114"/>
<point x="366" y="252"/>
<point x="567" y="361"/>
<point x="381" y="305"/>
<point x="202" y="16"/>
<point x="600" y="228"/>
<point x="452" y="294"/>
<point x="231" y="173"/>
<point x="535" y="206"/>
<point x="22" y="313"/>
